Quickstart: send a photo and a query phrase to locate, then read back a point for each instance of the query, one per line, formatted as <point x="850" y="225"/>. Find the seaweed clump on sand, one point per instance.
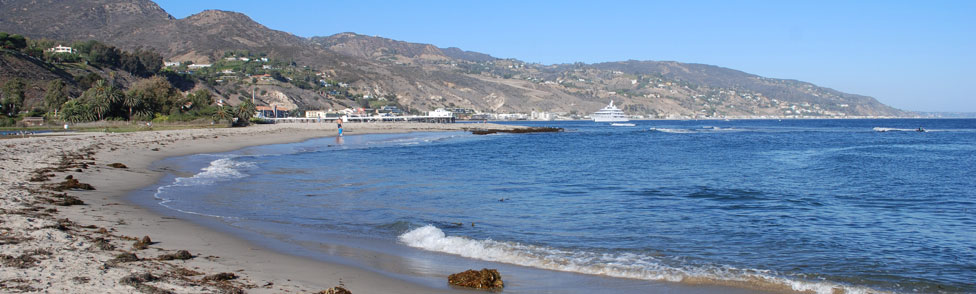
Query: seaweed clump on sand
<point x="143" y="244"/>
<point x="179" y="255"/>
<point x="138" y="281"/>
<point x="65" y="200"/>
<point x="220" y="277"/>
<point x="117" y="165"/>
<point x="70" y="183"/>
<point x="517" y="130"/>
<point x="488" y="279"/>
<point x="122" y="258"/>
<point x="335" y="290"/>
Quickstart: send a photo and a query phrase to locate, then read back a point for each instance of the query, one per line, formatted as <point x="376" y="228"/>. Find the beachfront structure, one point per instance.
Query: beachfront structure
<point x="61" y="49"/>
<point x="511" y="116"/>
<point x="273" y="111"/>
<point x="391" y="109"/>
<point x="440" y="112"/>
<point x="316" y="114"/>
<point x="542" y="116"/>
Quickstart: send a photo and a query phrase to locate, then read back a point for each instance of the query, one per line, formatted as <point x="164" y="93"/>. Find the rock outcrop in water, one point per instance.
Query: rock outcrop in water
<point x="488" y="279"/>
<point x="517" y="130"/>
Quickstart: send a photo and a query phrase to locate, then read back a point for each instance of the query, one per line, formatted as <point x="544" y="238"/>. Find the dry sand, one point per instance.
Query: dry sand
<point x="45" y="247"/>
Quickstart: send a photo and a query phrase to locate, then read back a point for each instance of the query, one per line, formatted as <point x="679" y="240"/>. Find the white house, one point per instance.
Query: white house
<point x="440" y="112"/>
<point x="171" y="63"/>
<point x="61" y="49"/>
<point x="542" y="115"/>
<point x="198" y="66"/>
<point x="316" y="114"/>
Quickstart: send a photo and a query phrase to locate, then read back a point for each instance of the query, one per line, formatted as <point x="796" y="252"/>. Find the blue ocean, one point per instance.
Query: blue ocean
<point x="859" y="206"/>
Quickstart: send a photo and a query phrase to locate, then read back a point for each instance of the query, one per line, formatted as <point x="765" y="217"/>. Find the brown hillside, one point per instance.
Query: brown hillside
<point x="424" y="76"/>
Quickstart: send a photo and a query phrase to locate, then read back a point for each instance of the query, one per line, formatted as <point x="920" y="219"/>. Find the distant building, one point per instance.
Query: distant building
<point x="171" y="63"/>
<point x="391" y="109"/>
<point x="264" y="77"/>
<point x="316" y="114"/>
<point x="273" y="111"/>
<point x="542" y="116"/>
<point x="61" y="49"/>
<point x="198" y="66"/>
<point x="440" y="112"/>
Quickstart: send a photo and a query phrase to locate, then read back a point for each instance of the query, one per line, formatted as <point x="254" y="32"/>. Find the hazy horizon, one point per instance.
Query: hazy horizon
<point x="914" y="57"/>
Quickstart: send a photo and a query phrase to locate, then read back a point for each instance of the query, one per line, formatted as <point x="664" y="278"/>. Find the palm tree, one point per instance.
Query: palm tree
<point x="132" y="100"/>
<point x="76" y="111"/>
<point x="102" y="96"/>
<point x="221" y="113"/>
<point x="244" y="112"/>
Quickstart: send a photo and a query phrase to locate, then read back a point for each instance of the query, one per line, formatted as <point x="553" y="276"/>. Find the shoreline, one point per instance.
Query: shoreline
<point x="68" y="261"/>
<point x="108" y="214"/>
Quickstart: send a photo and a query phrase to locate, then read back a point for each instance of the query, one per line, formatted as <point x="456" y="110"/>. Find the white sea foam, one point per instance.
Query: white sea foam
<point x="672" y="131"/>
<point x="218" y="170"/>
<point x="618" y="265"/>
<point x="880" y="129"/>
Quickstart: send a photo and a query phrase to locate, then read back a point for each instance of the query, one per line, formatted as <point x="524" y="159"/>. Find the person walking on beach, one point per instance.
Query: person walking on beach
<point x="339" y="122"/>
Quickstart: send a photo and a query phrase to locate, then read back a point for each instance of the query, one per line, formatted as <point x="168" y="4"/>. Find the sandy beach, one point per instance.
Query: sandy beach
<point x="49" y="245"/>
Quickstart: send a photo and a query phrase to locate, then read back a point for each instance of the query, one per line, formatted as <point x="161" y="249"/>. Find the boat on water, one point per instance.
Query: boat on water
<point x="623" y="124"/>
<point x="610" y="113"/>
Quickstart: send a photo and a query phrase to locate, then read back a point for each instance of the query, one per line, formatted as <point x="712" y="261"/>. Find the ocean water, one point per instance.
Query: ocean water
<point x="810" y="205"/>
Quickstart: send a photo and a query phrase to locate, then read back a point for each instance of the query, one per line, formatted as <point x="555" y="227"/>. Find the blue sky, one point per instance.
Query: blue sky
<point x="913" y="55"/>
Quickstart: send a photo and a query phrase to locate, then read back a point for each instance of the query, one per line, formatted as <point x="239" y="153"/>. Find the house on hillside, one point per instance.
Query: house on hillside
<point x="198" y="66"/>
<point x="264" y="77"/>
<point x="61" y="49"/>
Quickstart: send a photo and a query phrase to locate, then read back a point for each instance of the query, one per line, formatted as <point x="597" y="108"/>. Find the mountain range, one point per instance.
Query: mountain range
<point x="424" y="76"/>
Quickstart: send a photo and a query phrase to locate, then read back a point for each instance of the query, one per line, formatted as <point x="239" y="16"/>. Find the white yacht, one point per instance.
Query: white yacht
<point x="609" y="114"/>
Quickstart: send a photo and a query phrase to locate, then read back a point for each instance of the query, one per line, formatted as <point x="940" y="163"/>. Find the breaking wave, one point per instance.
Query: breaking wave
<point x="219" y="170"/>
<point x="617" y="265"/>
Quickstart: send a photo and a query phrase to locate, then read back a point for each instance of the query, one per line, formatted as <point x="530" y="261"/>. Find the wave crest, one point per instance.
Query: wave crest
<point x="220" y="169"/>
<point x="617" y="265"/>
